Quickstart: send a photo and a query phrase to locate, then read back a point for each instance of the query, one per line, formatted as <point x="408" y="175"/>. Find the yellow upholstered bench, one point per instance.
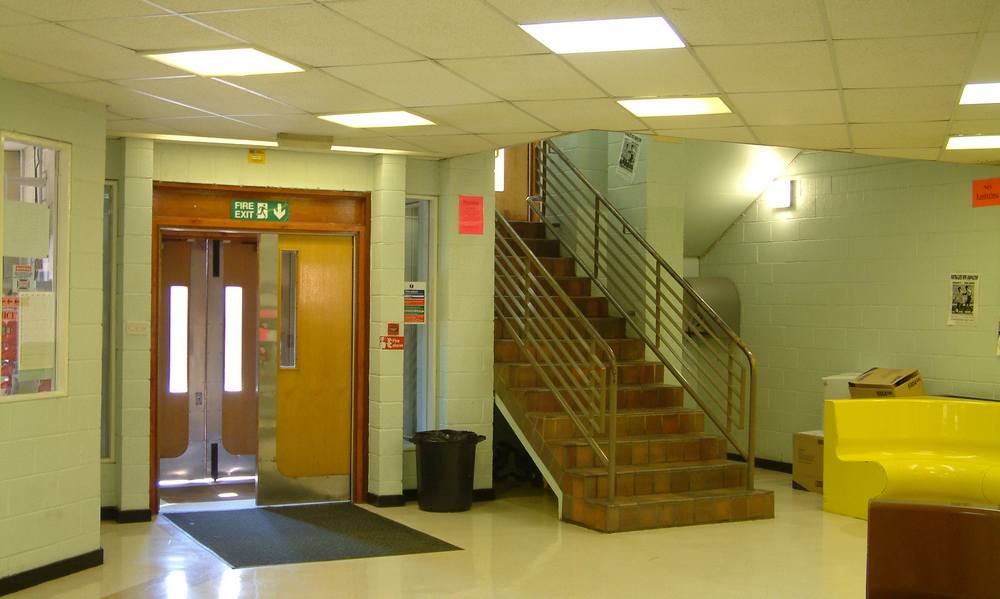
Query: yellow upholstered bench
<point x="917" y="448"/>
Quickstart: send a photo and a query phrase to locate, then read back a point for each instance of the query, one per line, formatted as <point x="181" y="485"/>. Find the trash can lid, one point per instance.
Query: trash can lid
<point x="447" y="436"/>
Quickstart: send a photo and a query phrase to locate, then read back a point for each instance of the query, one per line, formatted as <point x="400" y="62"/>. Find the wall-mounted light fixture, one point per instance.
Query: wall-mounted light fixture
<point x="780" y="195"/>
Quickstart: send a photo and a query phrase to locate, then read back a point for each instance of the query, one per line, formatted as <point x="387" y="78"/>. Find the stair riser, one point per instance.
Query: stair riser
<point x="571" y="286"/>
<point x="656" y="397"/>
<point x="591" y="307"/>
<point x="525" y="375"/>
<point x="674" y="513"/>
<point x="633" y="484"/>
<point x="609" y="328"/>
<point x="529" y="230"/>
<point x="636" y="453"/>
<point x="548" y="248"/>
<point x="561" y="427"/>
<point x="507" y="350"/>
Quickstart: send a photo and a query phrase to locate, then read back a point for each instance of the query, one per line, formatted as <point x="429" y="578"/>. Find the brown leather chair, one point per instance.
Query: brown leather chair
<point x="933" y="551"/>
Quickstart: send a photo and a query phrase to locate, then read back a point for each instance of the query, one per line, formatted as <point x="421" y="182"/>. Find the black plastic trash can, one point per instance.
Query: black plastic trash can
<point x="446" y="463"/>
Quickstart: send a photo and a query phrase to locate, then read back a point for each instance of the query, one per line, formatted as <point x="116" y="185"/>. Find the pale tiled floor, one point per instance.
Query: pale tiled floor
<point x="513" y="548"/>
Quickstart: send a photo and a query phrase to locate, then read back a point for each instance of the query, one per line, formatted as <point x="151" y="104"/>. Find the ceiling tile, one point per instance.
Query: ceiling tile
<point x="209" y="95"/>
<point x="904" y="62"/>
<point x="496" y="117"/>
<point x="120" y="126"/>
<point x="304" y="124"/>
<point x="418" y="131"/>
<point x="813" y="137"/>
<point x="976" y="112"/>
<point x="24" y="69"/>
<point x="986" y="66"/>
<point x="153" y="33"/>
<point x="10" y="17"/>
<point x="189" y="6"/>
<point x="69" y="10"/>
<point x="215" y="127"/>
<point x="310" y="34"/>
<point x="123" y="100"/>
<point x="901" y="104"/>
<point x="979" y="127"/>
<point x="703" y="121"/>
<point x="57" y="46"/>
<point x="908" y="153"/>
<point x="533" y="11"/>
<point x="888" y="135"/>
<point x="770" y="67"/>
<point x="452" y="145"/>
<point x="904" y="18"/>
<point x="740" y="135"/>
<point x="580" y="115"/>
<point x="314" y="91"/>
<point x="644" y="73"/>
<point x="503" y="140"/>
<point x="789" y="108"/>
<point x="421" y="83"/>
<point x="715" y="22"/>
<point x="538" y="77"/>
<point x="443" y="28"/>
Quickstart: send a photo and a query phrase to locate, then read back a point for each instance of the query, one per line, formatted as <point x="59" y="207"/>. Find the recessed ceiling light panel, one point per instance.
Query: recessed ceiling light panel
<point x="675" y="106"/>
<point x="395" y="118"/>
<point x="227" y="141"/>
<point x="360" y="150"/>
<point x="608" y="35"/>
<point x="981" y="93"/>
<point x="230" y="62"/>
<point x="973" y="142"/>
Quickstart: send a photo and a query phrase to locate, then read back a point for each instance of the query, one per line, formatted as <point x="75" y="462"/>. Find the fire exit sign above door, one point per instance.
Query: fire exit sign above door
<point x="259" y="210"/>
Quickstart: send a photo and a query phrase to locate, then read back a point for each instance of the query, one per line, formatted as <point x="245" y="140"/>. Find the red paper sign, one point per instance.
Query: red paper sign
<point x="392" y="328"/>
<point x="470" y="215"/>
<point x="985" y="192"/>
<point x="392" y="341"/>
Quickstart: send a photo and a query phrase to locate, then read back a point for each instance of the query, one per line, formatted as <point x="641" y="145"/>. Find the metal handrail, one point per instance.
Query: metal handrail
<point x="713" y="364"/>
<point x="570" y="356"/>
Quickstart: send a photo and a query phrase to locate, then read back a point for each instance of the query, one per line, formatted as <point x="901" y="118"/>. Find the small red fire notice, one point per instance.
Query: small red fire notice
<point x="392" y="342"/>
<point x="985" y="192"/>
<point x="470" y="215"/>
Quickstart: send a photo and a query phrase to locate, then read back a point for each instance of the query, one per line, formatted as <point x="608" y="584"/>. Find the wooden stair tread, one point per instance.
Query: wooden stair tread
<point x="644" y="468"/>
<point x="580" y="441"/>
<point x="676" y="497"/>
<point x="664" y="411"/>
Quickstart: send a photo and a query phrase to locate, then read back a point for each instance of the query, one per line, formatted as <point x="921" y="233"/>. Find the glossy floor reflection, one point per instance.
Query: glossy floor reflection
<point x="513" y="548"/>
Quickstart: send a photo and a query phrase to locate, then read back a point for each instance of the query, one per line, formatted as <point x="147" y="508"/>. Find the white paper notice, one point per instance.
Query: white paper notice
<point x="964" y="289"/>
<point x="37" y="331"/>
<point x="628" y="156"/>
<point x="25" y="230"/>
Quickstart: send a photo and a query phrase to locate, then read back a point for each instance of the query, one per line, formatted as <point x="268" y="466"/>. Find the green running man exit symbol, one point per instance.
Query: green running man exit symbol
<point x="258" y="210"/>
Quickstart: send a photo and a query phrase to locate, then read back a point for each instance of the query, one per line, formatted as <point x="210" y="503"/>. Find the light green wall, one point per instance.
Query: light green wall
<point x="50" y="448"/>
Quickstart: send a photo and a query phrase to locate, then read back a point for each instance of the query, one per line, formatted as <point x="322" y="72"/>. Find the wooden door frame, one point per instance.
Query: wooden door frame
<point x="219" y="227"/>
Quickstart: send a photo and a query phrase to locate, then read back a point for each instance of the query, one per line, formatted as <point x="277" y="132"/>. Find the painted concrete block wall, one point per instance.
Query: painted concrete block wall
<point x="385" y="381"/>
<point x="856" y="276"/>
<point x="465" y="308"/>
<point x="50" y="448"/>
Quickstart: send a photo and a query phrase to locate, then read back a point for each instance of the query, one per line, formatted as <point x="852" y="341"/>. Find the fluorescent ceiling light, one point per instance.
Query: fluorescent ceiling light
<point x="231" y="62"/>
<point x="610" y="35"/>
<point x="257" y="143"/>
<point x="360" y="150"/>
<point x="973" y="142"/>
<point x="675" y="106"/>
<point x="981" y="93"/>
<point x="395" y="118"/>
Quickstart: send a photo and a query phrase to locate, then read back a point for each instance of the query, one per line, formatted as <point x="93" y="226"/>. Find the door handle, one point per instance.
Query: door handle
<point x="198" y="398"/>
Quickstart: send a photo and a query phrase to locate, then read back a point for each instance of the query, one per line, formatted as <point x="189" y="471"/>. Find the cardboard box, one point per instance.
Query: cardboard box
<point x="887" y="382"/>
<point x="807" y="461"/>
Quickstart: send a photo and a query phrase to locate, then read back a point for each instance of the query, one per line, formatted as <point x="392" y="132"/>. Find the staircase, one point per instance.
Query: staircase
<point x="572" y="374"/>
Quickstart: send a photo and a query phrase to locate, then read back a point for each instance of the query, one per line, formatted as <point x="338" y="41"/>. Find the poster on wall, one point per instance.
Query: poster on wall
<point x="964" y="288"/>
<point x="628" y="156"/>
<point x="415" y="302"/>
<point x="470" y="215"/>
